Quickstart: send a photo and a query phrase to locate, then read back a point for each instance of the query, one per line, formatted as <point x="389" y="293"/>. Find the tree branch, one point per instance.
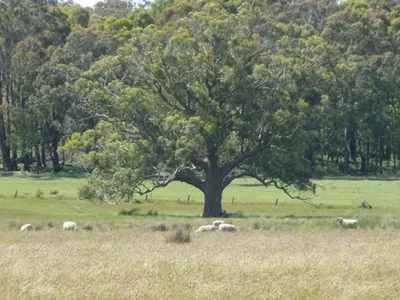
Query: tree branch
<point x="190" y="179"/>
<point x="199" y="163"/>
<point x="228" y="179"/>
<point x="178" y="175"/>
<point x="229" y="166"/>
<point x="159" y="91"/>
<point x="266" y="183"/>
<point x="283" y="188"/>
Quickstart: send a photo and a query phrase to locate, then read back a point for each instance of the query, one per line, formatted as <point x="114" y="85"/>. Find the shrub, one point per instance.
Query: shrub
<point x="100" y="227"/>
<point x="333" y="170"/>
<point x="152" y="212"/>
<point x="51" y="224"/>
<point x="159" y="227"/>
<point x="38" y="227"/>
<point x="179" y="236"/>
<point x="88" y="227"/>
<point x="87" y="192"/>
<point x="186" y="226"/>
<point x="12" y="224"/>
<point x="256" y="225"/>
<point x="39" y="193"/>
<point x="54" y="192"/>
<point x="133" y="211"/>
<point x="226" y="214"/>
<point x="123" y="212"/>
<point x="365" y="204"/>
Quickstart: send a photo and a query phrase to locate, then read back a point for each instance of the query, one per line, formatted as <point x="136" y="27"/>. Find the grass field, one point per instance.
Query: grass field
<point x="335" y="197"/>
<point x="258" y="265"/>
<point x="286" y="251"/>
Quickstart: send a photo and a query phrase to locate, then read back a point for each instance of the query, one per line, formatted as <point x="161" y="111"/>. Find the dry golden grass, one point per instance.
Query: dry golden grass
<point x="332" y="264"/>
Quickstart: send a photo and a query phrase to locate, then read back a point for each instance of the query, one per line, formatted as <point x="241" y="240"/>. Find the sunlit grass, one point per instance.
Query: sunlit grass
<point x="286" y="251"/>
<point x="331" y="264"/>
<point x="334" y="198"/>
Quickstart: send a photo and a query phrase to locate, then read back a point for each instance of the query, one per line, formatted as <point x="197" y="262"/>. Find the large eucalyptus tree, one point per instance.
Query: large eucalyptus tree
<point x="204" y="101"/>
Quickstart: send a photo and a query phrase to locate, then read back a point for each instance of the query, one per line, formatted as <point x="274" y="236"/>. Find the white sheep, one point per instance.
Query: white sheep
<point x="206" y="228"/>
<point x="218" y="222"/>
<point x="26" y="227"/>
<point x="346" y="223"/>
<point x="70" y="226"/>
<point x="227" y="227"/>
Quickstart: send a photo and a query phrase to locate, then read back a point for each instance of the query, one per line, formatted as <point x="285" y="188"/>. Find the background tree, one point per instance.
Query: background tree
<point x="19" y="20"/>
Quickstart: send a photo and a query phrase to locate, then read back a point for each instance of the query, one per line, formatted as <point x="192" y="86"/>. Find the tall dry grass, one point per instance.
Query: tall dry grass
<point x="330" y="264"/>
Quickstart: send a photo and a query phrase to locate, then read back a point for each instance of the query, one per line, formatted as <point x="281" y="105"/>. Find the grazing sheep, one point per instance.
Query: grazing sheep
<point x="70" y="226"/>
<point x="346" y="223"/>
<point x="26" y="227"/>
<point x="206" y="228"/>
<point x="218" y="222"/>
<point x="227" y="227"/>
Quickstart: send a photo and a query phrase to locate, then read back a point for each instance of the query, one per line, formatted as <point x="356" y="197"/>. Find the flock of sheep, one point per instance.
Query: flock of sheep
<point x="216" y="226"/>
<point x="66" y="226"/>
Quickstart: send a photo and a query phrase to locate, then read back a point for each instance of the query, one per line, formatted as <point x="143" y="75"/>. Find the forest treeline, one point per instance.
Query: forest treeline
<point x="62" y="68"/>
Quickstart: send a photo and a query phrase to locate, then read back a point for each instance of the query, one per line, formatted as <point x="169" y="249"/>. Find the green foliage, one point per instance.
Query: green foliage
<point x="38" y="227"/>
<point x="131" y="212"/>
<point x="54" y="192"/>
<point x="152" y="212"/>
<point x="77" y="15"/>
<point x="39" y="193"/>
<point x="140" y="17"/>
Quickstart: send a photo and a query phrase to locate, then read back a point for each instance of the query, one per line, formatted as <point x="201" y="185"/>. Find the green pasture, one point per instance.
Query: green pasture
<point x="247" y="198"/>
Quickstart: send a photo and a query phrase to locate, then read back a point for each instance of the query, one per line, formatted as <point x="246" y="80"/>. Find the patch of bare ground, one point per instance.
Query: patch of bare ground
<point x="253" y="265"/>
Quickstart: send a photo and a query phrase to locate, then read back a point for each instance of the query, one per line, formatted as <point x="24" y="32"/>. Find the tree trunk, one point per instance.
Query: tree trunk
<point x="63" y="153"/>
<point x="346" y="166"/>
<point x="387" y="150"/>
<point x="377" y="146"/>
<point x="310" y="155"/>
<point x="14" y="160"/>
<point x="368" y="155"/>
<point x="37" y="157"/>
<point x="54" y="155"/>
<point x="212" y="198"/>
<point x="213" y="184"/>
<point x="363" y="165"/>
<point x="5" y="151"/>
<point x="43" y="155"/>
<point x="381" y="148"/>
<point x="27" y="161"/>
<point x="353" y="148"/>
